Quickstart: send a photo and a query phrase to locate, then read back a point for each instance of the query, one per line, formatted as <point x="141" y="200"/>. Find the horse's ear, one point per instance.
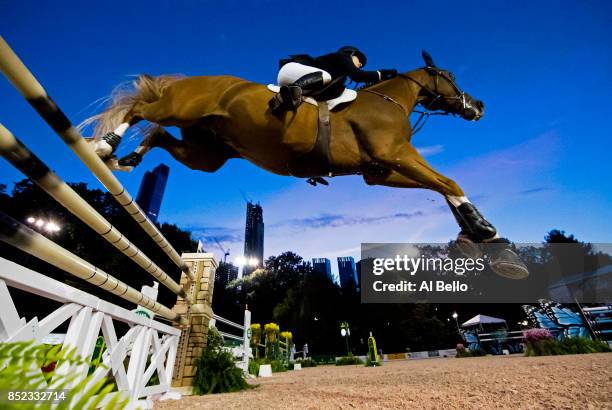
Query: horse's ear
<point x="427" y="58"/>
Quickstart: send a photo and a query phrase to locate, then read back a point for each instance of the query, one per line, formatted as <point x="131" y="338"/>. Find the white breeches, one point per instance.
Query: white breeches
<point x="291" y="72"/>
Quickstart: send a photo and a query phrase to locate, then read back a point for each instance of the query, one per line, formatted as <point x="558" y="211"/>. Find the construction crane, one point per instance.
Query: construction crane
<point x="223" y="251"/>
<point x="246" y="199"/>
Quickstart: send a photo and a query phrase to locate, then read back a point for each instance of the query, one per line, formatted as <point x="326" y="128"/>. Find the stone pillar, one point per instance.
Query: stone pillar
<point x="195" y="318"/>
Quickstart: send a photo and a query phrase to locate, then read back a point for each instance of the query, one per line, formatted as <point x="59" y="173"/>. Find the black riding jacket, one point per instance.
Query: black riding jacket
<point x="339" y="66"/>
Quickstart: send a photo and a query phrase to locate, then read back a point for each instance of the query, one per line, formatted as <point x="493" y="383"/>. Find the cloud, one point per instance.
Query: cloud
<point x="535" y="190"/>
<point x="208" y="234"/>
<point x="430" y="150"/>
<point x="334" y="221"/>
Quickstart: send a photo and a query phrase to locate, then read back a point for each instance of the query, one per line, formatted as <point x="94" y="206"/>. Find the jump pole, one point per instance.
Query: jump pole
<point x="25" y="82"/>
<point x="30" y="241"/>
<point x="30" y="165"/>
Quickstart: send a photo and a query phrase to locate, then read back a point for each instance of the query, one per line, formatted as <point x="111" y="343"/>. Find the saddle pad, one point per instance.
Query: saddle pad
<point x="347" y="96"/>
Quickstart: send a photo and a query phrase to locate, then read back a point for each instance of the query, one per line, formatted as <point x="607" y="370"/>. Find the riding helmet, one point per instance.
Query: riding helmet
<point x="354" y="51"/>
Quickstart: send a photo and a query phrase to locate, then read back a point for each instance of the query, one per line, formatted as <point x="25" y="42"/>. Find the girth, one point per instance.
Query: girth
<point x="317" y="162"/>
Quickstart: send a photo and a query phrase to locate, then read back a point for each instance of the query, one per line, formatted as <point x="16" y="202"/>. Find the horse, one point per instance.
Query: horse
<point x="224" y="117"/>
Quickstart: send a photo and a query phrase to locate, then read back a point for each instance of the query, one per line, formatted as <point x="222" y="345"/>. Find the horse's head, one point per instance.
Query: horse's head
<point x="441" y="92"/>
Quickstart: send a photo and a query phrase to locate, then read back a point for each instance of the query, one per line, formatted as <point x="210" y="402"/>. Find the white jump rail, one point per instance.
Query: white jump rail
<point x="31" y="166"/>
<point x="146" y="340"/>
<point x="245" y="329"/>
<point x="25" y="82"/>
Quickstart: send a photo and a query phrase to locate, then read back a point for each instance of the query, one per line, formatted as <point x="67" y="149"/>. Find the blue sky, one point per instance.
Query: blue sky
<point x="538" y="159"/>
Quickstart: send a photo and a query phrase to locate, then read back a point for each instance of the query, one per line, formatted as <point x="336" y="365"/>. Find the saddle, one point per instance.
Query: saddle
<point x="317" y="163"/>
<point x="347" y="96"/>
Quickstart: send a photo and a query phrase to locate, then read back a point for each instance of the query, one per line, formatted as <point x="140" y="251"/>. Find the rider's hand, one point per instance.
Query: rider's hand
<point x="387" y="73"/>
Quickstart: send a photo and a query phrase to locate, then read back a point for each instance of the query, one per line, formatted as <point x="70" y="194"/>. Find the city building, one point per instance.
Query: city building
<point x="225" y="273"/>
<point x="253" y="237"/>
<point x="151" y="191"/>
<point x="323" y="265"/>
<point x="347" y="271"/>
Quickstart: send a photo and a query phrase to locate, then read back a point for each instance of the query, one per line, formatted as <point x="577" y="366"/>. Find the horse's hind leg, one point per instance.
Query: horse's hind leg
<point x="157" y="112"/>
<point x="151" y="141"/>
<point x="109" y="142"/>
<point x="203" y="153"/>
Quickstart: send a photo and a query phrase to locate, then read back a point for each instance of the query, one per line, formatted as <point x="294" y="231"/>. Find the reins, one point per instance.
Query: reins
<point x="424" y="115"/>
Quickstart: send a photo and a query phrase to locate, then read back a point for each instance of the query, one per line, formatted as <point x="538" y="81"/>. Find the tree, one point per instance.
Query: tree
<point x="27" y="199"/>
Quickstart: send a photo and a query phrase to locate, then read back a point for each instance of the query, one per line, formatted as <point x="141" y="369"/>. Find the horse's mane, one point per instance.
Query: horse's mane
<point x="374" y="86"/>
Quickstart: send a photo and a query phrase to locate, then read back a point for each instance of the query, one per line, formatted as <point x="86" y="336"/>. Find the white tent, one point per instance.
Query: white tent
<point x="481" y="320"/>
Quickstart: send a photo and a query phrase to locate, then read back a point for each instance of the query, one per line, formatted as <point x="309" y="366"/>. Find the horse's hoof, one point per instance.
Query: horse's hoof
<point x="113" y="164"/>
<point x="467" y="247"/>
<point x="130" y="160"/>
<point x="505" y="262"/>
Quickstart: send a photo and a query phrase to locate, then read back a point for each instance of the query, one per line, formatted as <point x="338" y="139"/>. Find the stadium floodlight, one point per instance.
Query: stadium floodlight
<point x="240" y="261"/>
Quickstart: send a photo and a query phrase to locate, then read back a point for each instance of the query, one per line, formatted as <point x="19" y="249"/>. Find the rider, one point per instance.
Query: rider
<point x="322" y="77"/>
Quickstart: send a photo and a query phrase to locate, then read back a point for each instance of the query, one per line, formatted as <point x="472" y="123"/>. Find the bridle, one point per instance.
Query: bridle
<point x="434" y="93"/>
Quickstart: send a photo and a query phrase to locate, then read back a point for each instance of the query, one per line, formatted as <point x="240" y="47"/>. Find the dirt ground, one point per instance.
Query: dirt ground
<point x="492" y="382"/>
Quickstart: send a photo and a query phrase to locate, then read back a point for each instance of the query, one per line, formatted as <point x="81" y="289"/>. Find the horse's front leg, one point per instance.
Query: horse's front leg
<point x="475" y="229"/>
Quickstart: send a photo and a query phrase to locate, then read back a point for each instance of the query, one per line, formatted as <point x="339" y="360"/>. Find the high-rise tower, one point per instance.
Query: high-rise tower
<point x="151" y="191"/>
<point x="253" y="237"/>
<point x="347" y="271"/>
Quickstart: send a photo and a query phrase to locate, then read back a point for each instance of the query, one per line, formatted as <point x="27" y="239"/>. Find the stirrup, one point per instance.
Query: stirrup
<point x="275" y="102"/>
<point x="292" y="96"/>
<point x="130" y="160"/>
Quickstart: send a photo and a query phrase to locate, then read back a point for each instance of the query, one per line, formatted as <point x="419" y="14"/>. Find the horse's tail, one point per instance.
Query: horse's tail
<point x="145" y="88"/>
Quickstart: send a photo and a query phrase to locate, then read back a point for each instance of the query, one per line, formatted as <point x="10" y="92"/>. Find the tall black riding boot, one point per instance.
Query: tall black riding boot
<point x="290" y="96"/>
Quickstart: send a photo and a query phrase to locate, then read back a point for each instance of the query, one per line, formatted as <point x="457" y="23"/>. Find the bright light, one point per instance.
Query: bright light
<point x="455" y="315"/>
<point x="40" y="223"/>
<point x="343" y="332"/>
<point x="240" y="261"/>
<point x="253" y="262"/>
<point x="52" y="227"/>
<point x="31" y="220"/>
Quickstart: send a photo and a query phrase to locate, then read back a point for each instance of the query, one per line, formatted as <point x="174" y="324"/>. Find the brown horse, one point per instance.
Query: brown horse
<point x="223" y="117"/>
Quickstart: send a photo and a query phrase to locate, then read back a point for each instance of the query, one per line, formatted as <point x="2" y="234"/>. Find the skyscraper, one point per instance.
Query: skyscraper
<point x="323" y="265"/>
<point x="151" y="191"/>
<point x="253" y="236"/>
<point x="347" y="271"/>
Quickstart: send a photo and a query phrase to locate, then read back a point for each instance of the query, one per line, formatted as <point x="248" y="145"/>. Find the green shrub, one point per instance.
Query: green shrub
<point x="216" y="371"/>
<point x="254" y="366"/>
<point x="278" y="366"/>
<point x="324" y="359"/>
<point x="370" y="363"/>
<point x="307" y="363"/>
<point x="348" y="360"/>
<point x="573" y="345"/>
